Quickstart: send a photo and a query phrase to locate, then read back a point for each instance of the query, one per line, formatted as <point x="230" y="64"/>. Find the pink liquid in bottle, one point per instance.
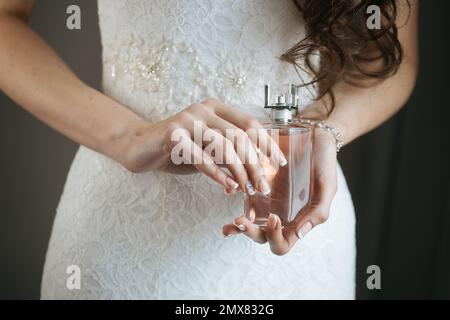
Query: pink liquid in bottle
<point x="290" y="185"/>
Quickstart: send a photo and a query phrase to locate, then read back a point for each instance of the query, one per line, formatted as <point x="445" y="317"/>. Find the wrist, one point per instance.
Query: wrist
<point x="321" y="127"/>
<point x="324" y="136"/>
<point x="332" y="125"/>
<point x="340" y="131"/>
<point x="122" y="138"/>
<point x="142" y="147"/>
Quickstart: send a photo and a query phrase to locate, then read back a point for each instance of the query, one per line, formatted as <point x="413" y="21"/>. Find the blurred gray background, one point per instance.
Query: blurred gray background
<point x="399" y="174"/>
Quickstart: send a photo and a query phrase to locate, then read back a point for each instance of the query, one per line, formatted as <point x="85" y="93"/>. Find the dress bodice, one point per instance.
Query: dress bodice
<point x="162" y="55"/>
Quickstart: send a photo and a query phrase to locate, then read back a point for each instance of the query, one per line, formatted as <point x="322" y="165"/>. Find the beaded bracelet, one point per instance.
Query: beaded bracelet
<point x="322" y="125"/>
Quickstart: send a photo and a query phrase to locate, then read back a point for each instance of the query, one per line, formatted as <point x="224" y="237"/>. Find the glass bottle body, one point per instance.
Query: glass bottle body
<point x="291" y="184"/>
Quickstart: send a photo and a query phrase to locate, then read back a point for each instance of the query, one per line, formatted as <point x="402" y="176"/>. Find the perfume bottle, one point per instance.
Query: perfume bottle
<point x="290" y="185"/>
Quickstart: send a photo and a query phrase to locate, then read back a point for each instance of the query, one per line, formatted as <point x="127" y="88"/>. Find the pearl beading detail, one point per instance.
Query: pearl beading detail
<point x="173" y="75"/>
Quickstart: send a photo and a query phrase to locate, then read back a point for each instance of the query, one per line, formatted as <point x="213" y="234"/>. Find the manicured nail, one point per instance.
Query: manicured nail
<point x="271" y="222"/>
<point x="231" y="183"/>
<point x="250" y="189"/>
<point x="264" y="186"/>
<point x="228" y="193"/>
<point x="304" y="230"/>
<point x="283" y="160"/>
<point x="251" y="215"/>
<point x="241" y="227"/>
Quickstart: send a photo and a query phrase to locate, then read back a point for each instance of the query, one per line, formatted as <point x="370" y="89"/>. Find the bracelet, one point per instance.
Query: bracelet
<point x="322" y="125"/>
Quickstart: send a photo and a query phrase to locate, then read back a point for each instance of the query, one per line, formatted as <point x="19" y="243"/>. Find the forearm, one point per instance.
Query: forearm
<point x="38" y="80"/>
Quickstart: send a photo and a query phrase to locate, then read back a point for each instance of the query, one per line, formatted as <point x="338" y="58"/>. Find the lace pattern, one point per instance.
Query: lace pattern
<point x="157" y="235"/>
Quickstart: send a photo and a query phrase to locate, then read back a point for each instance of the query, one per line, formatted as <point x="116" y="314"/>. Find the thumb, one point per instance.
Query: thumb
<point x="313" y="216"/>
<point x="307" y="219"/>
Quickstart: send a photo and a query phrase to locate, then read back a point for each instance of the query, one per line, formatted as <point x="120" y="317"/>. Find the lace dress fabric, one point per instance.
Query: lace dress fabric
<point x="156" y="235"/>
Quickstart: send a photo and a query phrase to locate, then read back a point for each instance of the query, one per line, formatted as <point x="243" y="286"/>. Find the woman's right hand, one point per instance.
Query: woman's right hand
<point x="241" y="155"/>
<point x="48" y="89"/>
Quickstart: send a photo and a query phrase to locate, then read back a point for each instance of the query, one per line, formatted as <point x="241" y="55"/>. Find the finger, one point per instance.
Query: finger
<point x="269" y="141"/>
<point x="230" y="192"/>
<point x="182" y="146"/>
<point x="250" y="229"/>
<point x="245" y="149"/>
<point x="205" y="164"/>
<point x="308" y="218"/>
<point x="248" y="155"/>
<point x="256" y="132"/>
<point x="317" y="211"/>
<point x="278" y="244"/>
<point x="259" y="136"/>
<point x="324" y="190"/>
<point x="229" y="230"/>
<point x="226" y="153"/>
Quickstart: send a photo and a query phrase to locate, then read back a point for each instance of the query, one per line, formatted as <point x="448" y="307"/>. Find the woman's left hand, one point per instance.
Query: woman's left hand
<point x="281" y="240"/>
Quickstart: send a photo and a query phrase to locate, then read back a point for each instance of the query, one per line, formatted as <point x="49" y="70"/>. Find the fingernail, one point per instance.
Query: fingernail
<point x="271" y="222"/>
<point x="283" y="160"/>
<point x="251" y="215"/>
<point x="304" y="230"/>
<point x="231" y="183"/>
<point x="228" y="235"/>
<point x="264" y="186"/>
<point x="241" y="227"/>
<point x="250" y="190"/>
<point x="229" y="192"/>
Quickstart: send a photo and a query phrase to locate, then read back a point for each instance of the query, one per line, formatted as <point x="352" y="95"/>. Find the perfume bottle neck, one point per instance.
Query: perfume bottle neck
<point x="281" y="115"/>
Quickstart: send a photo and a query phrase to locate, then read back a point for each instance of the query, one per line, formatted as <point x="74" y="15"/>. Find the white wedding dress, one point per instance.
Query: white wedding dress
<point x="157" y="235"/>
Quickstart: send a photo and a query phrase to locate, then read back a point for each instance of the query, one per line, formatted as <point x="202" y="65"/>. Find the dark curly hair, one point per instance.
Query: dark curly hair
<point x="336" y="31"/>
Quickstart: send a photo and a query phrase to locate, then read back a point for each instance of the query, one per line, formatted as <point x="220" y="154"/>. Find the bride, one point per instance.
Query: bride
<point x="140" y="227"/>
